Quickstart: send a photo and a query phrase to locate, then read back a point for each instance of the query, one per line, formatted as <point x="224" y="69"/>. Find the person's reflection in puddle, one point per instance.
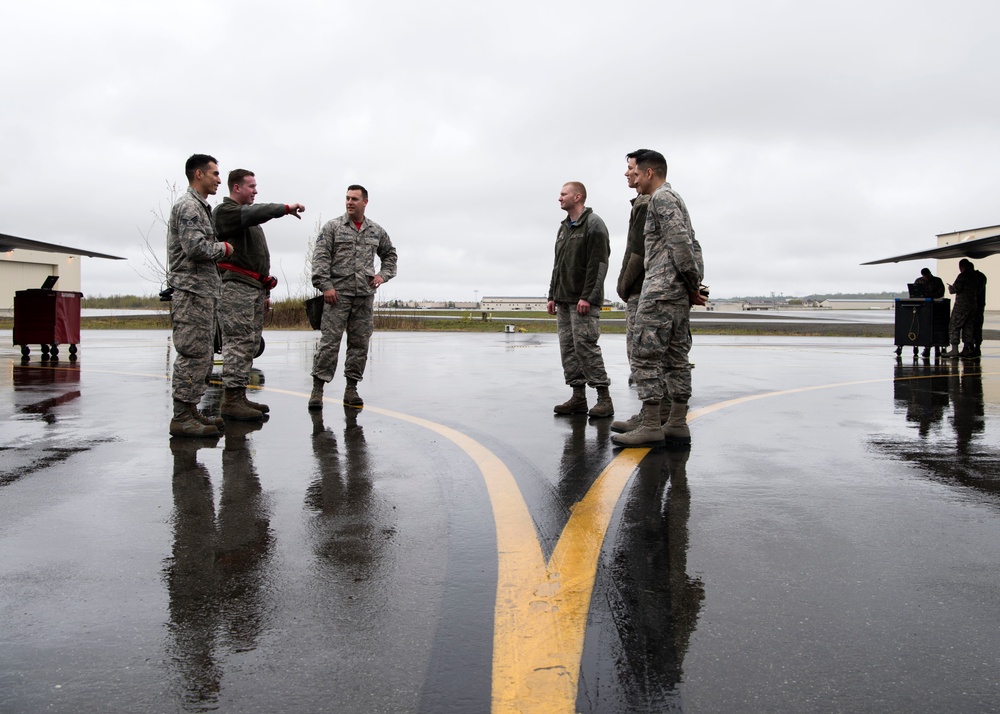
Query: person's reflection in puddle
<point x="947" y="405"/>
<point x="586" y="452"/>
<point x="346" y="534"/>
<point x="646" y="605"/>
<point x="968" y="410"/>
<point x="216" y="577"/>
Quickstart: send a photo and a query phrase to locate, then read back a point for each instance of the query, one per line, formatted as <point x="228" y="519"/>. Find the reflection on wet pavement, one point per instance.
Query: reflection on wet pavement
<point x="944" y="404"/>
<point x="217" y="575"/>
<point x="828" y="543"/>
<point x="47" y="435"/>
<point x="646" y="604"/>
<point x="347" y="537"/>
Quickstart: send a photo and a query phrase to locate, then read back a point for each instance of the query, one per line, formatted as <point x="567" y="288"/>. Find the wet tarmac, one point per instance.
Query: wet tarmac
<point x="829" y="543"/>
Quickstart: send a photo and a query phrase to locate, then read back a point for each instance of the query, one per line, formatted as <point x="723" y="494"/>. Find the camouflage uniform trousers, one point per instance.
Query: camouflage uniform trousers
<point x="631" y="307"/>
<point x="962" y="323"/>
<point x="661" y="344"/>
<point x="241" y="316"/>
<point x="193" y="337"/>
<point x="582" y="360"/>
<point x="355" y="314"/>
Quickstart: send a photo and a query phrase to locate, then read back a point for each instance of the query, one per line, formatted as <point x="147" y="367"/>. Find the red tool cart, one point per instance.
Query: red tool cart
<point x="48" y="318"/>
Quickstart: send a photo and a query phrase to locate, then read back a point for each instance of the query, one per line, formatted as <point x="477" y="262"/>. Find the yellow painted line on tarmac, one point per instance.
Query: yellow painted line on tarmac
<point x="540" y="613"/>
<point x="696" y="413"/>
<point x="541" y="608"/>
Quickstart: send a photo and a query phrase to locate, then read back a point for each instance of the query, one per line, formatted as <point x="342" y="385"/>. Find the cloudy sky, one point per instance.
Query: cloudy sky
<point x="805" y="137"/>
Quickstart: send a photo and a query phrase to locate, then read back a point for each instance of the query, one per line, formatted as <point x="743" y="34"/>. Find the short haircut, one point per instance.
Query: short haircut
<point x="649" y="159"/>
<point x="236" y="177"/>
<point x="926" y="272"/>
<point x="357" y="187"/>
<point x="965" y="261"/>
<point x="197" y="162"/>
<point x="579" y="188"/>
<point x="636" y="154"/>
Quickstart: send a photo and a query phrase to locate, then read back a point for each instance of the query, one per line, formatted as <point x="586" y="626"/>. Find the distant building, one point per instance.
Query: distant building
<point x="24" y="269"/>
<point x="947" y="270"/>
<point x="857" y="304"/>
<point x="535" y="304"/>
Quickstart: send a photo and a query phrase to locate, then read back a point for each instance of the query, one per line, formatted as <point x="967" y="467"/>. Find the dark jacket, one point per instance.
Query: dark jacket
<point x="581" y="263"/>
<point x="981" y="297"/>
<point x="239" y="226"/>
<point x="633" y="269"/>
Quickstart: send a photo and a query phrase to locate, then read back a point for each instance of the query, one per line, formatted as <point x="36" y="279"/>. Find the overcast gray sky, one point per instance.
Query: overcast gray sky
<point x="805" y="137"/>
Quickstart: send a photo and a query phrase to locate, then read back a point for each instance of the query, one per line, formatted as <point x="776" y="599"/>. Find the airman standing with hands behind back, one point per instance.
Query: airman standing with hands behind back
<point x="662" y="335"/>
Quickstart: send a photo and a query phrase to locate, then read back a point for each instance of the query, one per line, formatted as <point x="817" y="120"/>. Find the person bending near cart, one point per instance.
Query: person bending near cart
<point x="933" y="285"/>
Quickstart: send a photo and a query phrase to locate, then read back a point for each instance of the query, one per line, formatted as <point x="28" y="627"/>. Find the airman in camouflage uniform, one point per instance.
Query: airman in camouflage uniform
<point x="631" y="277"/>
<point x="343" y="268"/>
<point x="192" y="252"/>
<point x="662" y="338"/>
<point x="966" y="291"/>
<point x="576" y="296"/>
<point x="246" y="288"/>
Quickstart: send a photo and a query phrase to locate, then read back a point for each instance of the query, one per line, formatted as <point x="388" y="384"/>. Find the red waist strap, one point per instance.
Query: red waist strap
<point x="241" y="271"/>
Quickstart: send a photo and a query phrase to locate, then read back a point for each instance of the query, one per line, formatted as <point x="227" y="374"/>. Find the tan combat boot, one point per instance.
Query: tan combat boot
<point x="262" y="408"/>
<point x="316" y="397"/>
<point x="665" y="405"/>
<point x="234" y="406"/>
<point x="604" y="407"/>
<point x="351" y="396"/>
<point x="204" y="418"/>
<point x="676" y="431"/>
<point x="649" y="434"/>
<point x="622" y="426"/>
<point x="577" y="404"/>
<point x="635" y="421"/>
<point x="184" y="422"/>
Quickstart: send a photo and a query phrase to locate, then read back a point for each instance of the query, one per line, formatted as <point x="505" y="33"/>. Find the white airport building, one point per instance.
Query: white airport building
<point x="947" y="269"/>
<point x="25" y="269"/>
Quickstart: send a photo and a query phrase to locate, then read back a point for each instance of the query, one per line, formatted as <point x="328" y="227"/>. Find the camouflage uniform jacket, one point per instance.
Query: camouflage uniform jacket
<point x="674" y="266"/>
<point x="191" y="246"/>
<point x="966" y="291"/>
<point x="344" y="257"/>
<point x="581" y="264"/>
<point x="239" y="226"/>
<point x="633" y="268"/>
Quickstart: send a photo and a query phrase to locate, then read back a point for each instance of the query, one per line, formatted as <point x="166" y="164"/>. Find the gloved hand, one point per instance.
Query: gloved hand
<point x="270" y="282"/>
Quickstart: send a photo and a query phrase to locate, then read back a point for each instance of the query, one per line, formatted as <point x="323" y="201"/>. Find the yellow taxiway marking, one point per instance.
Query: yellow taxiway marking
<point x="540" y="613"/>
